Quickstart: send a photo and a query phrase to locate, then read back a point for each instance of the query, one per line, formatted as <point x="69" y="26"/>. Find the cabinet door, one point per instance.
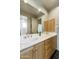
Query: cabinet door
<point x="46" y="26"/>
<point x="50" y="46"/>
<point x="26" y="54"/>
<point x="49" y="25"/>
<point x="40" y="51"/>
<point x="48" y="49"/>
<point x="52" y="25"/>
<point x="54" y="42"/>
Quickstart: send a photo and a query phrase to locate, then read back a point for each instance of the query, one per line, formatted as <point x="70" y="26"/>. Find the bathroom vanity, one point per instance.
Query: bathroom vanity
<point x="38" y="47"/>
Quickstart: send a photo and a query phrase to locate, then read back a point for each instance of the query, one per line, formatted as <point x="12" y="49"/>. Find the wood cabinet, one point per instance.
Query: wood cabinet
<point x="50" y="46"/>
<point x="49" y="25"/>
<point x="35" y="52"/>
<point x="42" y="50"/>
<point x="26" y="54"/>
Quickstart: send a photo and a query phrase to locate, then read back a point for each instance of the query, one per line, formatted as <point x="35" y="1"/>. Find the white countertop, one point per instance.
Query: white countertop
<point x="26" y="43"/>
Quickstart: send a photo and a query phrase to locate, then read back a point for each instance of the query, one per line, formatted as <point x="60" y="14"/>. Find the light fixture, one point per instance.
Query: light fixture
<point x="39" y="9"/>
<point x="25" y="1"/>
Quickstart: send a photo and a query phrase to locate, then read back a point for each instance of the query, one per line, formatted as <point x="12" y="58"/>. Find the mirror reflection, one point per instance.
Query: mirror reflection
<point x="30" y="25"/>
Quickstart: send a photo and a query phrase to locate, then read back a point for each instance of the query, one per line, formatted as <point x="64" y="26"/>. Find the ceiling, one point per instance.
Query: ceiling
<point x="29" y="9"/>
<point x="48" y="5"/>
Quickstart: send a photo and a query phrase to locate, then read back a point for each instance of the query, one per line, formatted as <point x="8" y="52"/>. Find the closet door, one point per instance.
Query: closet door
<point x="51" y="25"/>
<point x="46" y="26"/>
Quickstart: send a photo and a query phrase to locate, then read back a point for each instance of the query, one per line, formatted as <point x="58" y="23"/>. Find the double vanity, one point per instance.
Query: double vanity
<point x="33" y="46"/>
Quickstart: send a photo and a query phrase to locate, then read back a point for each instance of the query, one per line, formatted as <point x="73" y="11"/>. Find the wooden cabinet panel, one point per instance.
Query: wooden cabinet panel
<point x="46" y="26"/>
<point x="52" y="25"/>
<point x="40" y="51"/>
<point x="50" y="46"/>
<point x="34" y="52"/>
<point x="48" y="49"/>
<point x="26" y="54"/>
<point x="49" y="25"/>
<point x="54" y="41"/>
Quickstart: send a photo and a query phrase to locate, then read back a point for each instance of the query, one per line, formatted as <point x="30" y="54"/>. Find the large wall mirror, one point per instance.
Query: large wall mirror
<point x="29" y="25"/>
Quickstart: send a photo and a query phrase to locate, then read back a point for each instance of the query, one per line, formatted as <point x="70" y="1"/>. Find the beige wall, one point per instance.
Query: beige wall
<point x="54" y="13"/>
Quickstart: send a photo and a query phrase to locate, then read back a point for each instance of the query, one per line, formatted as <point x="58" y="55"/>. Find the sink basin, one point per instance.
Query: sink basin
<point x="25" y="39"/>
